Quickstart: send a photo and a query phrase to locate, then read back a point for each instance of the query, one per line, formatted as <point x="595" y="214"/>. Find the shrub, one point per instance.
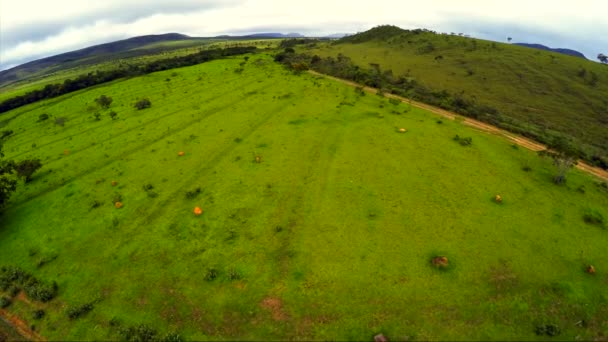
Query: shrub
<point x="463" y="141"/>
<point x="113" y="115"/>
<point x="74" y="312"/>
<point x="193" y="193"/>
<point x="143" y="104"/>
<point x="4" y="302"/>
<point x="60" y="121"/>
<point x="526" y="168"/>
<point x="6" y="134"/>
<point x="38" y="314"/>
<point x="139" y="333"/>
<point x="40" y="291"/>
<point x="211" y="274"/>
<point x="594" y="218"/>
<point x="104" y="101"/>
<point x="26" y="168"/>
<point x="97" y="116"/>
<point x="394" y="102"/>
<point x="33" y="288"/>
<point x="43" y="117"/>
<point x="233" y="274"/>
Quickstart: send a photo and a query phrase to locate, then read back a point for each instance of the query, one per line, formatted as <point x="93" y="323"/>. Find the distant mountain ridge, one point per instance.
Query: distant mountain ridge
<point x="97" y="52"/>
<point x="569" y="52"/>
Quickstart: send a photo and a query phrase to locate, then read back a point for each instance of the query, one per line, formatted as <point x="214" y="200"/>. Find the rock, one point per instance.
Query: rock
<point x="498" y="199"/>
<point x="198" y="211"/>
<point x="590" y="269"/>
<point x="118" y="205"/>
<point x="258" y="159"/>
<point x="440" y="262"/>
<point x="181" y="153"/>
<point x="380" y="338"/>
<point x="114" y="183"/>
<point x="402" y="130"/>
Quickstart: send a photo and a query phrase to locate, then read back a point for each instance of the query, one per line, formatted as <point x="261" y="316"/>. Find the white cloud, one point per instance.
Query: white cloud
<point x="35" y="28"/>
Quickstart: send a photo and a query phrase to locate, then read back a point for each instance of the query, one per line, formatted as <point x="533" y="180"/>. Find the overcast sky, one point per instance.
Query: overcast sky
<point x="32" y="29"/>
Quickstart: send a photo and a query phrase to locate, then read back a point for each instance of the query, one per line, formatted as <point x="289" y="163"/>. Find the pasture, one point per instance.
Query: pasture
<point x="320" y="218"/>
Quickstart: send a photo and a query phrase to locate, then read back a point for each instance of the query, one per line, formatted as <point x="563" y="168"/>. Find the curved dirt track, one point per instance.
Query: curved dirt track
<point x="521" y="141"/>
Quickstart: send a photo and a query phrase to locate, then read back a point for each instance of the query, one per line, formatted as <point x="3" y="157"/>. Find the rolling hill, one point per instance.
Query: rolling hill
<point x="536" y="93"/>
<point x="569" y="52"/>
<point x="91" y="55"/>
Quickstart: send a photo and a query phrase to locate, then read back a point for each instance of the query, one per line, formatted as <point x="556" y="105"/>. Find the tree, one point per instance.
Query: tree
<point x="8" y="183"/>
<point x="104" y="101"/>
<point x="26" y="168"/>
<point x="143" y="104"/>
<point x="564" y="156"/>
<point x="509" y="39"/>
<point x="603" y="58"/>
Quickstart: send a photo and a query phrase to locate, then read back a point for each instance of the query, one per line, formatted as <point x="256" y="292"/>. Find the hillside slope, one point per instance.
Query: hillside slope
<point x="135" y="46"/>
<point x="536" y="93"/>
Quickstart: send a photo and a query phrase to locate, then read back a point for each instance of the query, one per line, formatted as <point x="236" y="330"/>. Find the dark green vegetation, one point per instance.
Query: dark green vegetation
<point x="538" y="94"/>
<point x="320" y="219"/>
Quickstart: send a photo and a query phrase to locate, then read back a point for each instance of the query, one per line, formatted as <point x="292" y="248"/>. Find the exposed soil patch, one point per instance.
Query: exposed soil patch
<point x="20" y="326"/>
<point x="275" y="306"/>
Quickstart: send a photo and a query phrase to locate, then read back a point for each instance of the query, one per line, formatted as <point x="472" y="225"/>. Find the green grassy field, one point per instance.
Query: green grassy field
<point x="330" y="236"/>
<point x="153" y="52"/>
<point x="535" y="91"/>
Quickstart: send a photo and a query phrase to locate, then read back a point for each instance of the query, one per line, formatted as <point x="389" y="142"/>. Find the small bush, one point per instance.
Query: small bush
<point x="193" y="193"/>
<point x="43" y="117"/>
<point x="395" y="102"/>
<point x="467" y="141"/>
<point x="26" y="168"/>
<point x="211" y="274"/>
<point x="143" y="104"/>
<point x="139" y="333"/>
<point x="74" y="312"/>
<point x="526" y="168"/>
<point x="38" y="314"/>
<point x="593" y="217"/>
<point x="104" y="101"/>
<point x="6" y="134"/>
<point x="4" y="302"/>
<point x="97" y="116"/>
<point x="439" y="122"/>
<point x="40" y="291"/>
<point x="113" y="115"/>
<point x="233" y="274"/>
<point x="60" y="121"/>
<point x="148" y="187"/>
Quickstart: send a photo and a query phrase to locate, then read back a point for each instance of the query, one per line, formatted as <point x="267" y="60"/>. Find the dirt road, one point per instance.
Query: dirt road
<point x="521" y="141"/>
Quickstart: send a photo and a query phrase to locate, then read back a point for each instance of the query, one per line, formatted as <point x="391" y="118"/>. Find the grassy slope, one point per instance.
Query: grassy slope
<point x="528" y="85"/>
<point x="361" y="210"/>
<point x="153" y="52"/>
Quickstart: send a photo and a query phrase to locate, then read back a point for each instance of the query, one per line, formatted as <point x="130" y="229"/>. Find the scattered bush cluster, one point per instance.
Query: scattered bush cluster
<point x="143" y="104"/>
<point x="34" y="288"/>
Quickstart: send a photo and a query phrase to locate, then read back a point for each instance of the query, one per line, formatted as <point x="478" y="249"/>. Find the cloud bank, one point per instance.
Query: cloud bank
<point x="32" y="29"/>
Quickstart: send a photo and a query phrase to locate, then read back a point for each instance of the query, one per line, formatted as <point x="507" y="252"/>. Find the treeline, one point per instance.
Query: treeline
<point x="386" y="82"/>
<point x="98" y="77"/>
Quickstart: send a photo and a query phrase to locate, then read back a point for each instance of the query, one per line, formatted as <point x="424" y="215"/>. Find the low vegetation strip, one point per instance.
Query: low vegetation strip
<point x="99" y="77"/>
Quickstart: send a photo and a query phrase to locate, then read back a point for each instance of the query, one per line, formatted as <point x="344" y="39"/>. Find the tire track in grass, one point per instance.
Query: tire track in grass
<point x="216" y="159"/>
<point x="228" y="92"/>
<point x="129" y="152"/>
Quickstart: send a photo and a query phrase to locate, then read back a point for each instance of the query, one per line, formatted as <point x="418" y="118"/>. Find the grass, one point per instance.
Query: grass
<point x="329" y="236"/>
<point x="535" y="91"/>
